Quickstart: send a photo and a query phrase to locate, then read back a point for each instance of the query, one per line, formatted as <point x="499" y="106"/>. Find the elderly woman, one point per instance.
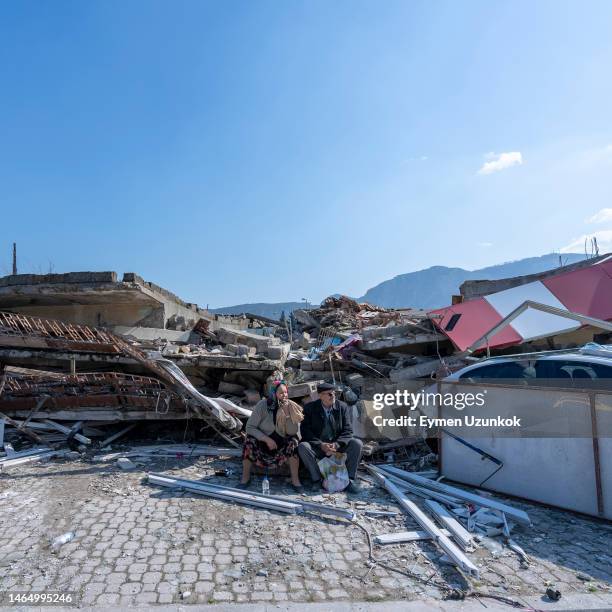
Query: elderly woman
<point x="273" y="435"/>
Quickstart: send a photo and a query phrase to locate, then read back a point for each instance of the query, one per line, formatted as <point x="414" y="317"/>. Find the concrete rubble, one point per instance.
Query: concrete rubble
<point x="87" y="350"/>
<point x="91" y="367"/>
<point x="197" y="365"/>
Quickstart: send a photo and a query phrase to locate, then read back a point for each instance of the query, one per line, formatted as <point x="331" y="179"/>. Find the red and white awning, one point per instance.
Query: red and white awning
<point x="587" y="291"/>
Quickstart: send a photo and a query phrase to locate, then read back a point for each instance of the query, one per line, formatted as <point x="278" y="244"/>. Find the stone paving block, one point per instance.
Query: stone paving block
<point x="165" y="598"/>
<point x="130" y="588"/>
<point x="204" y="586"/>
<point x="107" y="599"/>
<point x="116" y="577"/>
<point x="188" y="576"/>
<point x="222" y="596"/>
<point x="142" y="598"/>
<point x="166" y="587"/>
<point x="139" y="549"/>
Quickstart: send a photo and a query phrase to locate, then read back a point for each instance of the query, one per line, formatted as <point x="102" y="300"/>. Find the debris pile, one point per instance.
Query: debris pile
<point x="460" y="523"/>
<point x="344" y="313"/>
<point x="33" y="393"/>
<point x="343" y="335"/>
<point x="214" y="373"/>
<point x="456" y="520"/>
<point x="74" y="391"/>
<point x="214" y="368"/>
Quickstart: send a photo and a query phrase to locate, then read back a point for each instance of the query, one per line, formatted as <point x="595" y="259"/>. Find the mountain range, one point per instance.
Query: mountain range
<point x="428" y="288"/>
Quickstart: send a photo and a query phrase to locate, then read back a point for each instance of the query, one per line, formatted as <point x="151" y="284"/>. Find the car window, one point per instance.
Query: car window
<point x="573" y="374"/>
<point x="509" y="370"/>
<point x="564" y="373"/>
<point x="580" y="371"/>
<point x="602" y="371"/>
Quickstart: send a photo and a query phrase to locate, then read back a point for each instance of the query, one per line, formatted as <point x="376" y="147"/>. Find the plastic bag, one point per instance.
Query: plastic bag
<point x="334" y="472"/>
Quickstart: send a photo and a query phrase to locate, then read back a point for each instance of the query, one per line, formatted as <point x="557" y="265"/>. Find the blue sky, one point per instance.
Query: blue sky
<point x="268" y="151"/>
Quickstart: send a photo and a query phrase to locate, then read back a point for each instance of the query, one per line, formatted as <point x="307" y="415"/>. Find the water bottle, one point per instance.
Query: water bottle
<point x="63" y="539"/>
<point x="265" y="485"/>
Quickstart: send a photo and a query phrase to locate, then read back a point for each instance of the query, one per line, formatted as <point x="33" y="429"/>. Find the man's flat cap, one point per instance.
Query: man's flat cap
<point x="325" y="387"/>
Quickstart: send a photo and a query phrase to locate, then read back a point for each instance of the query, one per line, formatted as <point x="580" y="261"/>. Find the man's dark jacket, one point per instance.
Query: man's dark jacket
<point x="314" y="421"/>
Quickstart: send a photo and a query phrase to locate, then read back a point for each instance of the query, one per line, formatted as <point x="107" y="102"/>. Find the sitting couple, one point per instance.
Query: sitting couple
<point x="280" y="431"/>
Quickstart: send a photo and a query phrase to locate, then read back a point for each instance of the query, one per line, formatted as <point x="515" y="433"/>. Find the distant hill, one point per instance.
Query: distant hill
<point x="433" y="287"/>
<point x="270" y="310"/>
<point x="429" y="288"/>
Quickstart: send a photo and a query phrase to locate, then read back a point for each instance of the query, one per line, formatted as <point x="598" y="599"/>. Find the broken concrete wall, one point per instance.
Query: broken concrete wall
<point x="98" y="315"/>
<point x="99" y="299"/>
<point x="260" y="342"/>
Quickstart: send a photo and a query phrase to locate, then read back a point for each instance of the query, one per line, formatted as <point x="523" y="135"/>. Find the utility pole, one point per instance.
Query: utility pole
<point x="14" y="258"/>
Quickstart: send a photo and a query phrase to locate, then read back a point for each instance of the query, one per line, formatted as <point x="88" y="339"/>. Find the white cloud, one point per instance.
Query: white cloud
<point x="501" y="162"/>
<point x="599" y="155"/>
<point x="604" y="215"/>
<point x="485" y="244"/>
<point x="604" y="241"/>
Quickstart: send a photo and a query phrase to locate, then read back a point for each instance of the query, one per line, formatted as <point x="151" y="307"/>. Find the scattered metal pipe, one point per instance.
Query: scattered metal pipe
<point x="518" y="515"/>
<point x="307" y="506"/>
<point x="239" y="497"/>
<point x="461" y="535"/>
<point x="405" y="536"/>
<point x="426" y="523"/>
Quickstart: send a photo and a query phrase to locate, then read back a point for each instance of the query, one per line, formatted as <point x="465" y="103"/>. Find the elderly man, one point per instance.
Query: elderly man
<point x="327" y="429"/>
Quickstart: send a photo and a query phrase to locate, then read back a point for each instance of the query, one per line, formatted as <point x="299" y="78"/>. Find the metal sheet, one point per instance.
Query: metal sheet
<point x="587" y="291"/>
<point x="603" y="407"/>
<point x="477" y="318"/>
<point x="531" y="324"/>
<point x="557" y="471"/>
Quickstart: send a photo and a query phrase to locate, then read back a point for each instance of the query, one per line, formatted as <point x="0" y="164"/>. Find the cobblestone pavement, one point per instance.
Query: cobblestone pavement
<point x="137" y="544"/>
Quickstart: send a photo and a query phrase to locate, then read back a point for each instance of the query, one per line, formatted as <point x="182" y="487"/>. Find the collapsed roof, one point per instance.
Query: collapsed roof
<point x="586" y="291"/>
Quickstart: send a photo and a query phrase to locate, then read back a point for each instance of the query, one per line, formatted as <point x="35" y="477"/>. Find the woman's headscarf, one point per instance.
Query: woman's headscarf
<point x="296" y="414"/>
<point x="274" y="385"/>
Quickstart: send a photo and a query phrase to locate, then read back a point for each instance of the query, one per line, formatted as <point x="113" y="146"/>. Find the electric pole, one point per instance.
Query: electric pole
<point x="14" y="258"/>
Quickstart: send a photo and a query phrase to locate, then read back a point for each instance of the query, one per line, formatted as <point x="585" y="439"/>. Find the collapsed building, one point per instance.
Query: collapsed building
<point x="100" y="299"/>
<point x="86" y="349"/>
<point x="84" y="359"/>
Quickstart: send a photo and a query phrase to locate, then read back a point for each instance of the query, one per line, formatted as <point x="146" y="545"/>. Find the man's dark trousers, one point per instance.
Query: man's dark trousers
<point x="324" y="425"/>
